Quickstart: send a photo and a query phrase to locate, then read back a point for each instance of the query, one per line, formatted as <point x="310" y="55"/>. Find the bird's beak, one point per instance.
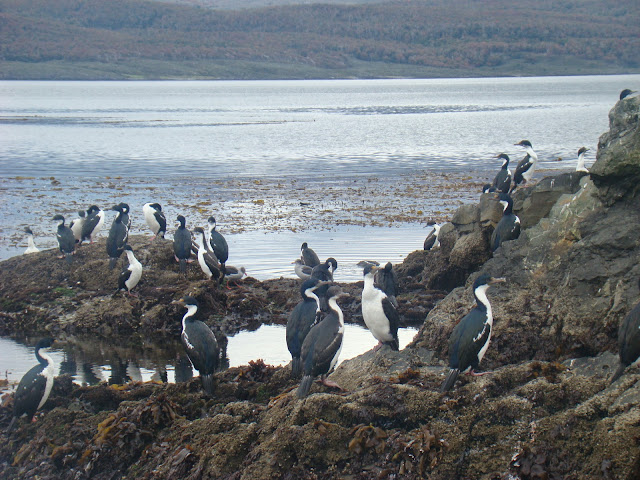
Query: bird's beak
<point x="497" y="280"/>
<point x="177" y="302"/>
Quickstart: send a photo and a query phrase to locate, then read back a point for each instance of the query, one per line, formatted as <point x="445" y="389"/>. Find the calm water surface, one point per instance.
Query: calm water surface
<point x="301" y="128"/>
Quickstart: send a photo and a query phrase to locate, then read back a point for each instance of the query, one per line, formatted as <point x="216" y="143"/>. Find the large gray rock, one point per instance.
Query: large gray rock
<point x="617" y="165"/>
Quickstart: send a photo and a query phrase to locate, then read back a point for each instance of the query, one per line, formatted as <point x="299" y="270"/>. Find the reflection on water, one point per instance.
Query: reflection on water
<point x="120" y="360"/>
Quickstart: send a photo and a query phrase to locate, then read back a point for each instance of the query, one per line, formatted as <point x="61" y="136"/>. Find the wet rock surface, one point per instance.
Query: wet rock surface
<point x="545" y="410"/>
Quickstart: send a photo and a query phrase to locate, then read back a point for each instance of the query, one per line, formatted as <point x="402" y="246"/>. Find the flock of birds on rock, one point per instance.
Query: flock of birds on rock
<point x="315" y="328"/>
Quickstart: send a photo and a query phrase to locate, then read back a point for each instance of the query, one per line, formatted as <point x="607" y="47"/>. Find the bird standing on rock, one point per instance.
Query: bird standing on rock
<point x="200" y="343"/>
<point x="470" y="338"/>
<point x="130" y="276"/>
<point x="182" y="244"/>
<point x="219" y="246"/>
<point x="526" y="167"/>
<point x="580" y="165"/>
<point x="378" y="311"/>
<point x="92" y="224"/>
<point x="117" y="238"/>
<point x="502" y="181"/>
<point x="66" y="240"/>
<point x="628" y="341"/>
<point x="432" y="240"/>
<point x="206" y="259"/>
<point x="35" y="386"/>
<point x="508" y="227"/>
<point x="299" y="323"/>
<point x="155" y="219"/>
<point x="308" y="256"/>
<point x="323" y="344"/>
<point x="31" y="246"/>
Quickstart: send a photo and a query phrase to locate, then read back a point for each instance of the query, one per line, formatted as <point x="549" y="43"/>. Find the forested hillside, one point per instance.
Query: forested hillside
<point x="135" y="38"/>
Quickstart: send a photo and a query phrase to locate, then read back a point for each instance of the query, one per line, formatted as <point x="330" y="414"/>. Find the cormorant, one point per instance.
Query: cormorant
<point x="200" y="344"/>
<point x="470" y="338"/>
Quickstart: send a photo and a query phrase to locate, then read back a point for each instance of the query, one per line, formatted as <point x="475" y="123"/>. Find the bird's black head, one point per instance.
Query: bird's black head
<point x="582" y="150"/>
<point x="81" y="213"/>
<point x="124" y="207"/>
<point x="181" y="220"/>
<point x="370" y="269"/>
<point x="503" y="156"/>
<point x="488" y="188"/>
<point x="186" y="301"/>
<point x="625" y="93"/>
<point x="304" y="245"/>
<point x="92" y="209"/>
<point x="59" y="217"/>
<point x="156" y="206"/>
<point x="388" y="267"/>
<point x="117" y="208"/>
<point x="211" y="220"/>
<point x="506" y="201"/>
<point x="28" y="231"/>
<point x="127" y="247"/>
<point x="524" y="143"/>
<point x="199" y="230"/>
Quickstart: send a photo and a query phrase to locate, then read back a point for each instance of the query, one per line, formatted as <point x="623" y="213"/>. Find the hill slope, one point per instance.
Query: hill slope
<point x="134" y="38"/>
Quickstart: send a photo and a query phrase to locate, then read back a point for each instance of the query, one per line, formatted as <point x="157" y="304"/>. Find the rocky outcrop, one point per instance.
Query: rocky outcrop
<point x="547" y="410"/>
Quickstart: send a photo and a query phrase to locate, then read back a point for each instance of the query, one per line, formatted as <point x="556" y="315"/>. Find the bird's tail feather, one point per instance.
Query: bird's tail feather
<point x="618" y="372"/>
<point x="450" y="380"/>
<point x="12" y="425"/>
<point x="183" y="265"/>
<point x="296" y="367"/>
<point x="112" y="262"/>
<point x="305" y="386"/>
<point x="208" y="383"/>
<point x="68" y="257"/>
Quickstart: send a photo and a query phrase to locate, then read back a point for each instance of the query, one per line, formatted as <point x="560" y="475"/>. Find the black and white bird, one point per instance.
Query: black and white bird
<point x="508" y="227"/>
<point x="378" y="312"/>
<point x="308" y="256"/>
<point x="77" y="224"/>
<point x="31" y="245"/>
<point x="322" y="345"/>
<point x="218" y="244"/>
<point x="126" y="218"/>
<point x="526" y="167"/>
<point x="302" y="271"/>
<point x="628" y="341"/>
<point x="432" y="240"/>
<point x="580" y="165"/>
<point x="35" y="386"/>
<point x="324" y="271"/>
<point x="130" y="276"/>
<point x="182" y="244"/>
<point x="625" y="93"/>
<point x="299" y="323"/>
<point x="118" y="236"/>
<point x="206" y="259"/>
<point x="234" y="274"/>
<point x="66" y="240"/>
<point x="200" y="344"/>
<point x="386" y="280"/>
<point x="92" y="224"/>
<point x="502" y="180"/>
<point x="470" y="338"/>
<point x="155" y="219"/>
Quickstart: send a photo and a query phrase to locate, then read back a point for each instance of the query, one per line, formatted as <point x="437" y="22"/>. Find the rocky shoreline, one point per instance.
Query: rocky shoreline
<point x="546" y="410"/>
